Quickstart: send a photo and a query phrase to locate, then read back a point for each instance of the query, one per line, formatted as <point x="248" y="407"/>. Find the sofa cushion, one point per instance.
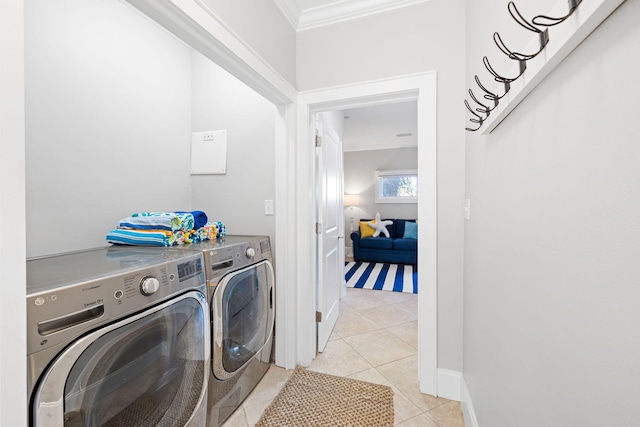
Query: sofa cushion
<point x="376" y="243"/>
<point x="400" y="225"/>
<point x="410" y="230"/>
<point x="366" y="230"/>
<point x="392" y="229"/>
<point x="405" y="244"/>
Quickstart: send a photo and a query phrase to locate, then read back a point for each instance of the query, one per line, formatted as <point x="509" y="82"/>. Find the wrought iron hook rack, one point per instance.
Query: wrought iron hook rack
<point x="522" y="58"/>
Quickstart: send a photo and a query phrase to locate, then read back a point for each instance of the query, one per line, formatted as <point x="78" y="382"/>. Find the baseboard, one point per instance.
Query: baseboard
<point x="449" y="384"/>
<point x="468" y="412"/>
<point x="348" y="251"/>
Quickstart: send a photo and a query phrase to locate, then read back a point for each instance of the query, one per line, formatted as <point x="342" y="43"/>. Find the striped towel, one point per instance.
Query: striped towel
<point x="159" y="220"/>
<point x="142" y="237"/>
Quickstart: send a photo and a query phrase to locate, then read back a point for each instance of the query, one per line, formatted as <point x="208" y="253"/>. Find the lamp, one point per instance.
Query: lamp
<point x="351" y="200"/>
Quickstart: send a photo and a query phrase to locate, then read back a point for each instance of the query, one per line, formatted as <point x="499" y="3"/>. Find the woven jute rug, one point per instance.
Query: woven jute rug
<point x="311" y="399"/>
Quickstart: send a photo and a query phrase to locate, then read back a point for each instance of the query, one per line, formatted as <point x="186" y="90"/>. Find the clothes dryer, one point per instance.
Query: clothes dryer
<point x="241" y="286"/>
<point x="117" y="336"/>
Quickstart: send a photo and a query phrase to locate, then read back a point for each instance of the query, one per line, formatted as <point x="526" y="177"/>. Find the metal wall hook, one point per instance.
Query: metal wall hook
<point x="497" y="77"/>
<point x="485" y="109"/>
<point x="488" y="94"/>
<point x="544" y="39"/>
<point x="520" y="20"/>
<point x="466" y="104"/>
<point x="547" y="21"/>
<point x="479" y="120"/>
<point x="476" y="129"/>
<point x="517" y="16"/>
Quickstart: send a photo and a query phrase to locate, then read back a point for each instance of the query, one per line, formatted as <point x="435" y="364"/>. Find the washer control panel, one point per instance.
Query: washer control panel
<point x="149" y="285"/>
<point x="68" y="307"/>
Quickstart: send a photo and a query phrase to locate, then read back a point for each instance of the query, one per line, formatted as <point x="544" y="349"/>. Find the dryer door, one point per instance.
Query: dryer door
<point x="242" y="316"/>
<point x="146" y="370"/>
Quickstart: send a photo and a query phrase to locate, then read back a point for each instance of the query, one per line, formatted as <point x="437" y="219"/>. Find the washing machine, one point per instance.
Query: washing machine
<point x="118" y="336"/>
<point x="241" y="286"/>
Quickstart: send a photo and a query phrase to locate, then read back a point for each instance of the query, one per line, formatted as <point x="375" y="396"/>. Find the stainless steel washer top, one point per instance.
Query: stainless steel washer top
<point x="72" y="292"/>
<point x="60" y="270"/>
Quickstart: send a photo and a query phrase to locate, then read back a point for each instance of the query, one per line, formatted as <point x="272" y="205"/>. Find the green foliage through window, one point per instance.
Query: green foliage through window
<point x="397" y="186"/>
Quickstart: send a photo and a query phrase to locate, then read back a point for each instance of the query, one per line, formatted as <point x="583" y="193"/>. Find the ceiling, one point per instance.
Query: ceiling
<point x="308" y="14"/>
<point x="379" y="127"/>
<point x="367" y="128"/>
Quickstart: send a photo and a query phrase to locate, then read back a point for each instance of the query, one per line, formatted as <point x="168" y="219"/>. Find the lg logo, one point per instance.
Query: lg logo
<point x="41" y="300"/>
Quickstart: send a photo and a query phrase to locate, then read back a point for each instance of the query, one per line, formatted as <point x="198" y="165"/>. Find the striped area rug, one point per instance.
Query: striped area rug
<point x="381" y="276"/>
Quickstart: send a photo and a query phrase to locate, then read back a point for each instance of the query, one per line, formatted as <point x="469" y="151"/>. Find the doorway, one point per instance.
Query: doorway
<point x="422" y="89"/>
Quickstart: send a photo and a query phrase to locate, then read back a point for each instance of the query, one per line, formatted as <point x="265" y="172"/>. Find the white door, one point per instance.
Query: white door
<point x="330" y="235"/>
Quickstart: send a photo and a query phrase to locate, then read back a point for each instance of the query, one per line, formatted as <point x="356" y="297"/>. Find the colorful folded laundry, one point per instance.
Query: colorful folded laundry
<point x="222" y="229"/>
<point x="142" y="237"/>
<point x="199" y="218"/>
<point x="180" y="221"/>
<point x="165" y="229"/>
<point x="206" y="232"/>
<point x="156" y="222"/>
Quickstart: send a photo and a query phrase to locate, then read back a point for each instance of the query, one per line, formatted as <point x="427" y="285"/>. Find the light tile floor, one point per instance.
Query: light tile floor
<point x="374" y="340"/>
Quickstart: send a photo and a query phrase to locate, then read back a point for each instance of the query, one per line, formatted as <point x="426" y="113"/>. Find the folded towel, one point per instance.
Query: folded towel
<point x="156" y="222"/>
<point x="187" y="221"/>
<point x="206" y="232"/>
<point x="199" y="218"/>
<point x="179" y="237"/>
<point x="141" y="237"/>
<point x="220" y="227"/>
<point x="149" y="220"/>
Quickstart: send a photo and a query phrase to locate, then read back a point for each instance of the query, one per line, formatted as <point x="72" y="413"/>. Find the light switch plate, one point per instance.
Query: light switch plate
<point x="268" y="207"/>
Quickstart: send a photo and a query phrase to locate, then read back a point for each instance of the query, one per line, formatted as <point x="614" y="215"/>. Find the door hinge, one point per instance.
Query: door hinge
<point x="318" y="141"/>
<point x="318" y="228"/>
<point x="318" y="316"/>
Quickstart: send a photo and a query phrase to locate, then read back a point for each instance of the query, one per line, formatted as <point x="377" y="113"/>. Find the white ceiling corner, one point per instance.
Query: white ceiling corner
<point x="309" y="14"/>
<point x="291" y="11"/>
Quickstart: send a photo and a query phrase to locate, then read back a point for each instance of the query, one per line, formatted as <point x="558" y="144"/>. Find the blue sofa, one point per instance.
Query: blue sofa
<point x="394" y="249"/>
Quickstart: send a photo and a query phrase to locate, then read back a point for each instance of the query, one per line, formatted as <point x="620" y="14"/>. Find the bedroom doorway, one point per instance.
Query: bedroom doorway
<point x="421" y="89"/>
<point x="379" y="139"/>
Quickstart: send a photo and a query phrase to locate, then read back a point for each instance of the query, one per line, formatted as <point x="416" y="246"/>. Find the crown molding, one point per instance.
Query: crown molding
<point x="338" y="11"/>
<point x="290" y="10"/>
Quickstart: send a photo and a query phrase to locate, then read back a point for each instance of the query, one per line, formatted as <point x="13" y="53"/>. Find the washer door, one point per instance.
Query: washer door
<point x="242" y="316"/>
<point x="146" y="370"/>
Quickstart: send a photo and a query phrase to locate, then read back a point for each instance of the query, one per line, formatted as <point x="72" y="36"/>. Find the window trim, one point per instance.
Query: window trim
<point x="381" y="174"/>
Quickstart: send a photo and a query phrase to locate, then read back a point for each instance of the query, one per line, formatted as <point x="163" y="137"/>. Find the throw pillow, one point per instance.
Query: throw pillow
<point x="365" y="230"/>
<point x="380" y="226"/>
<point x="410" y="230"/>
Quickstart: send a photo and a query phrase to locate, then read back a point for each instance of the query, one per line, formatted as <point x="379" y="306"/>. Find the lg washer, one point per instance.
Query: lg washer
<point x="118" y="336"/>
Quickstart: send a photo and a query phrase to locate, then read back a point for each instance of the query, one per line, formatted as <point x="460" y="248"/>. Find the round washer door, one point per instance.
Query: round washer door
<point x="242" y="312"/>
<point x="145" y="370"/>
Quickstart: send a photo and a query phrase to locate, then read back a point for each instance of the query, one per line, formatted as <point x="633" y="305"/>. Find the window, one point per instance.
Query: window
<point x="399" y="186"/>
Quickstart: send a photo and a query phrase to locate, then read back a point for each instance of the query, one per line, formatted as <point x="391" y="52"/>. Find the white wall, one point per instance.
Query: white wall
<point x="359" y="178"/>
<point x="220" y="101"/>
<point x="13" y="346"/>
<point x="262" y="27"/>
<point x="414" y="39"/>
<point x="551" y="297"/>
<point x="108" y="121"/>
